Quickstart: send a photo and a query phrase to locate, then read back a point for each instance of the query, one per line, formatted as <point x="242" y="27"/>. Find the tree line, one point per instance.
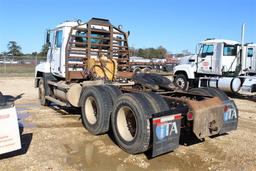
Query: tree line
<point x="159" y="52"/>
<point x="13" y="49"/>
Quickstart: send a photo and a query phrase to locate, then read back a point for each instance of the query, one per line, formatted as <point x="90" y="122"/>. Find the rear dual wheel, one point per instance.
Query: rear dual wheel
<point x="130" y="120"/>
<point x="210" y="91"/>
<point x="130" y="115"/>
<point x="97" y="104"/>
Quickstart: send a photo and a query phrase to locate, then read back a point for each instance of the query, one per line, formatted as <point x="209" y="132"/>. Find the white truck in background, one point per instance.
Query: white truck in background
<point x="219" y="63"/>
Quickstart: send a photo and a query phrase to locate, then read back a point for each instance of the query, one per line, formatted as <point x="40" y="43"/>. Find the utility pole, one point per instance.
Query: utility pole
<point x="4" y="64"/>
<point x="36" y="59"/>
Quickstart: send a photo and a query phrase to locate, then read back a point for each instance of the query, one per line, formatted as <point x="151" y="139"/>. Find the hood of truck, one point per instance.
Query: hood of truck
<point x="189" y="69"/>
<point x="44" y="67"/>
<point x="190" y="59"/>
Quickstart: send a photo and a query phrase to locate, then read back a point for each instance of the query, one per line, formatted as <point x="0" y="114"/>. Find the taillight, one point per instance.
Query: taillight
<point x="177" y="117"/>
<point x="190" y="116"/>
<point x="225" y="108"/>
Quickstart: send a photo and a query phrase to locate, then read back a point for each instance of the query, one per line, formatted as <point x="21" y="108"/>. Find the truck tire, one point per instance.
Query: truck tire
<point x="137" y="71"/>
<point x="96" y="106"/>
<point x="42" y="93"/>
<point x="113" y="91"/>
<point x="200" y="91"/>
<point x="217" y="92"/>
<point x="157" y="102"/>
<point x="209" y="91"/>
<point x="131" y="124"/>
<point x="146" y="70"/>
<point x="153" y="80"/>
<point x="181" y="82"/>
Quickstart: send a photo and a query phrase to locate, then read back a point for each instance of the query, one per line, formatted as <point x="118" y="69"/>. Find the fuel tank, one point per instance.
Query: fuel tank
<point x="226" y="84"/>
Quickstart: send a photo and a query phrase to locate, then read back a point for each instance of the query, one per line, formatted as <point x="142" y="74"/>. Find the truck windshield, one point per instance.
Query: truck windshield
<point x="230" y="50"/>
<point x="206" y="50"/>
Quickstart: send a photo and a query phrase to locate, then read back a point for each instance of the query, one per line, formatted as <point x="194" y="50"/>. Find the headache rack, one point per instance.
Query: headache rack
<point x="91" y="40"/>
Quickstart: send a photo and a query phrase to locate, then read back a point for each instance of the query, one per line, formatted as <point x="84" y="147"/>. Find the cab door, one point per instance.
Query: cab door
<point x="229" y="58"/>
<point x="56" y="53"/>
<point x="251" y="59"/>
<point x="206" y="59"/>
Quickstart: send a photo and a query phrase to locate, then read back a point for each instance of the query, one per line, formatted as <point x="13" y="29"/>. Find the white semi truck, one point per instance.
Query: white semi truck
<point x="88" y="67"/>
<point x="224" y="64"/>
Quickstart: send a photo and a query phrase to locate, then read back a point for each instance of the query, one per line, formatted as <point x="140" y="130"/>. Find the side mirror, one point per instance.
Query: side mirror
<point x="47" y="38"/>
<point x="196" y="49"/>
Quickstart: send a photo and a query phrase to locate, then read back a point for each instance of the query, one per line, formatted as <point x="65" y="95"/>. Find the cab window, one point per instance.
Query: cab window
<point x="58" y="38"/>
<point x="229" y="50"/>
<point x="97" y="39"/>
<point x="81" y="39"/>
<point x="250" y="52"/>
<point x="206" y="50"/>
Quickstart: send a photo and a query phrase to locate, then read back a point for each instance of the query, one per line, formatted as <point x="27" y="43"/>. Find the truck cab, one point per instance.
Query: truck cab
<point x="214" y="57"/>
<point x="56" y="39"/>
<point x="72" y="43"/>
<point x="217" y="56"/>
<point x="250" y="59"/>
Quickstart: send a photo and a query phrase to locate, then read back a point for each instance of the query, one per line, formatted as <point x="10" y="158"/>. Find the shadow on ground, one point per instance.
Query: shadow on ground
<point x="25" y="143"/>
<point x="65" y="110"/>
<point x="243" y="97"/>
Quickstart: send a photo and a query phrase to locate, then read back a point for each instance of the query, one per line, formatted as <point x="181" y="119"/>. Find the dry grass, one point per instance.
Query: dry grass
<point x="17" y="70"/>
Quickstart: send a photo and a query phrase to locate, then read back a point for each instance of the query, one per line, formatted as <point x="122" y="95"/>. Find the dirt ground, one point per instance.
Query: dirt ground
<point x="54" y="139"/>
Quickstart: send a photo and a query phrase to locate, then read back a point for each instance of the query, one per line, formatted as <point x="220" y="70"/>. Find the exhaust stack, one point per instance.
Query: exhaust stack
<point x="242" y="55"/>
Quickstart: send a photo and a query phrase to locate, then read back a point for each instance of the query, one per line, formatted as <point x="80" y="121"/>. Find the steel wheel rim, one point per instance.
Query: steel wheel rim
<point x="41" y="91"/>
<point x="126" y="123"/>
<point x="91" y="110"/>
<point x="180" y="82"/>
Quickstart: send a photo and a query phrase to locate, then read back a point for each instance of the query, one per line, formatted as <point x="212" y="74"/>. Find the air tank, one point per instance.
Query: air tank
<point x="227" y="84"/>
<point x="68" y="93"/>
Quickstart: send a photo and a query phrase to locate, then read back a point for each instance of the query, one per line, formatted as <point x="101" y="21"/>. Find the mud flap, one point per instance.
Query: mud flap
<point x="230" y="117"/>
<point x="208" y="117"/>
<point x="166" y="132"/>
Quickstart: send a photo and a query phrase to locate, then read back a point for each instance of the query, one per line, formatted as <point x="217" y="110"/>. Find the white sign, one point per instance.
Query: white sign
<point x="9" y="130"/>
